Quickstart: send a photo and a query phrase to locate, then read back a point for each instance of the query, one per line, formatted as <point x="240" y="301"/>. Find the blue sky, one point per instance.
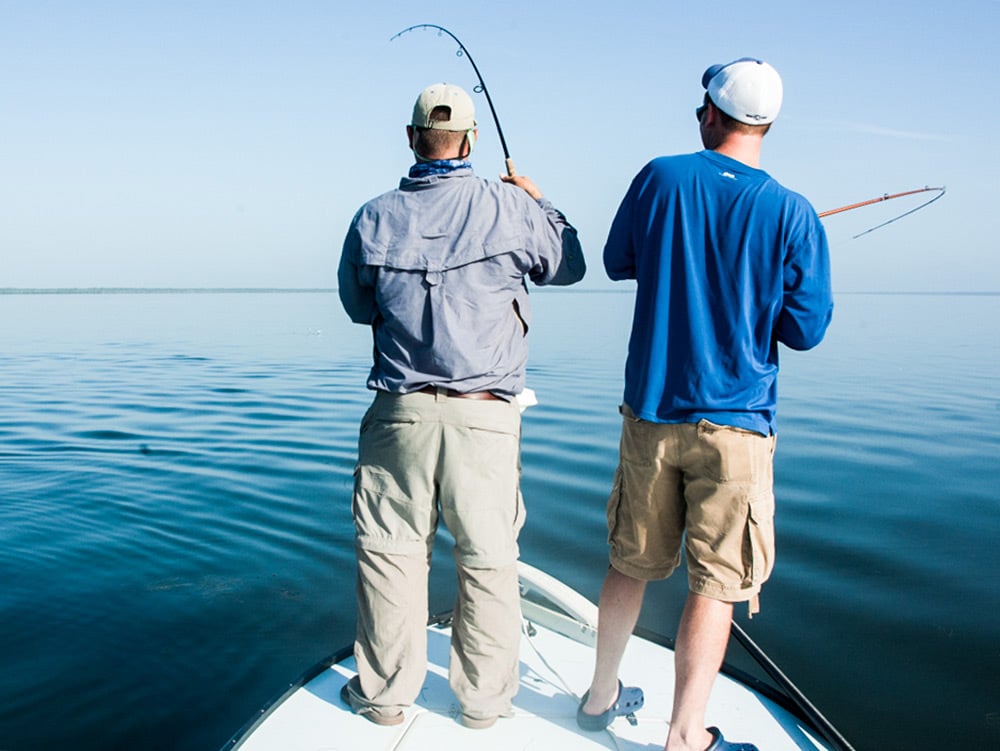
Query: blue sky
<point x="206" y="143"/>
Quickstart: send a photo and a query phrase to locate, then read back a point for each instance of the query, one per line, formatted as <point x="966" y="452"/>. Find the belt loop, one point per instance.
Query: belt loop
<point x="440" y="394"/>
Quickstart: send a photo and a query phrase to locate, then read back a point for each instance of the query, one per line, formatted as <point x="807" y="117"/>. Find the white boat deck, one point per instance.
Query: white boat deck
<point x="313" y="718"/>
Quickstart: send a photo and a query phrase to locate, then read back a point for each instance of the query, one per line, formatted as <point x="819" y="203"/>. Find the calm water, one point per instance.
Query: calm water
<point x="175" y="532"/>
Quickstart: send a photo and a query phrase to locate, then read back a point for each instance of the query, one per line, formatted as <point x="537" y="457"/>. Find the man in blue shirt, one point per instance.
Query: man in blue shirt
<point x="728" y="263"/>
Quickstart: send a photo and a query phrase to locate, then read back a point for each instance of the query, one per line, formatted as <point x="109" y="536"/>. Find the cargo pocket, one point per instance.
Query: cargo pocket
<point x="385" y="519"/>
<point x="758" y="547"/>
<point x="614" y="503"/>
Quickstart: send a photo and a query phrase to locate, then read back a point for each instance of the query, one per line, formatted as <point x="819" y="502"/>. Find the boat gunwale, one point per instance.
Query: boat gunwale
<point x="443" y="619"/>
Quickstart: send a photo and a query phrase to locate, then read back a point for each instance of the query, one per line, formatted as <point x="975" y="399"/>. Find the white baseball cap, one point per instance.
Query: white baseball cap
<point x="463" y="112"/>
<point x="748" y="90"/>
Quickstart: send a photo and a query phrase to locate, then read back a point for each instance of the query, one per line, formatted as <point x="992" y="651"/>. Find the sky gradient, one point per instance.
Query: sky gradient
<point x="228" y="144"/>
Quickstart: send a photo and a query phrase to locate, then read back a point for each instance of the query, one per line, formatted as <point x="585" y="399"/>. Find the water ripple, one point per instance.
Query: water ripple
<point x="177" y="504"/>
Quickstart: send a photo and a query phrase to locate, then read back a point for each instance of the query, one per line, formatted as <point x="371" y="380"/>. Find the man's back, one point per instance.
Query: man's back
<point x="444" y="259"/>
<point x="728" y="263"/>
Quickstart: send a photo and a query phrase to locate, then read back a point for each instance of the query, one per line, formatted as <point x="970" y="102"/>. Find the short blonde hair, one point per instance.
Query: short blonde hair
<point x="430" y="143"/>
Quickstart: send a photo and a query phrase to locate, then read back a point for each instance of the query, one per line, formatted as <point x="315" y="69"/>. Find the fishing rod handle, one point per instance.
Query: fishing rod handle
<point x="511" y="172"/>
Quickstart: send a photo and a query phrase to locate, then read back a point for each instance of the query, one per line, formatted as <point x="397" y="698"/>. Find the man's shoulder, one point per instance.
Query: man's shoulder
<point x="673" y="161"/>
<point x="374" y="203"/>
<point x="792" y="201"/>
<point x="437" y="197"/>
<point x="409" y="185"/>
<point x="670" y="168"/>
<point x="459" y="186"/>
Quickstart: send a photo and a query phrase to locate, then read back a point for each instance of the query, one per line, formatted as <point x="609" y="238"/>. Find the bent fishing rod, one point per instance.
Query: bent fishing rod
<point x="479" y="88"/>
<point x="888" y="197"/>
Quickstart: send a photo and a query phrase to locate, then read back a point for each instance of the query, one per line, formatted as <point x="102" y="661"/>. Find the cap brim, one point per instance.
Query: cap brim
<point x="711" y="73"/>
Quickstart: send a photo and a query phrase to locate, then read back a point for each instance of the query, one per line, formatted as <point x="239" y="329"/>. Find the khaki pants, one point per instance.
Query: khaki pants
<point x="423" y="457"/>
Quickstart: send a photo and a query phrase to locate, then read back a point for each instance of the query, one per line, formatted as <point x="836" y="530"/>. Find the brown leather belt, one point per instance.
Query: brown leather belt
<point x="435" y="390"/>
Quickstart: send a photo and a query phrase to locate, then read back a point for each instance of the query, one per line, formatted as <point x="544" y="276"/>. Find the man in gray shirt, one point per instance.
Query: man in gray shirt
<point x="437" y="268"/>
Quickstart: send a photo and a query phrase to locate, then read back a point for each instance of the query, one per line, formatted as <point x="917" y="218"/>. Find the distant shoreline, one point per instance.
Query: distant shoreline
<point x="156" y="290"/>
<point x="626" y="289"/>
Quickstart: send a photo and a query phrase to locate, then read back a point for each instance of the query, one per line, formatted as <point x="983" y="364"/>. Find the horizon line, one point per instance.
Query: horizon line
<point x="328" y="290"/>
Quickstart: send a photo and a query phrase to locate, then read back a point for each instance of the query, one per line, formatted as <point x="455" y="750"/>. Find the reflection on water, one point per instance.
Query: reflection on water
<point x="175" y="536"/>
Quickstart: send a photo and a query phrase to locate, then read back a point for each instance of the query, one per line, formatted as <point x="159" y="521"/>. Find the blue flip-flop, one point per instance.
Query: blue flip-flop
<point x="630" y="698"/>
<point x="721" y="744"/>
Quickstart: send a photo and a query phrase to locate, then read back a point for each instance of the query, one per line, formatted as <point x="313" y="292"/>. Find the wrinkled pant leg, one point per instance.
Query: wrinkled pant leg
<point x="391" y="642"/>
<point x="485" y="641"/>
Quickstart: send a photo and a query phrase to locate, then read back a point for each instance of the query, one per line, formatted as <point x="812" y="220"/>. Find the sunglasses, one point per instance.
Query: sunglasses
<point x="699" y="111"/>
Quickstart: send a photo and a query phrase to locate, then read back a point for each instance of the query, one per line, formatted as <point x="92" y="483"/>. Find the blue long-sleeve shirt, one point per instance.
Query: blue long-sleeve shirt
<point x="728" y="263"/>
<point x="437" y="267"/>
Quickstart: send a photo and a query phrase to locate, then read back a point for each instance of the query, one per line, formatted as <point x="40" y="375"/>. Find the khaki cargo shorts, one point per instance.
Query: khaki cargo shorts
<point x="712" y="482"/>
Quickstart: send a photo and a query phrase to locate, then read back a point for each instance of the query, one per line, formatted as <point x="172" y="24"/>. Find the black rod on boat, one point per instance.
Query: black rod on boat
<point x="808" y="709"/>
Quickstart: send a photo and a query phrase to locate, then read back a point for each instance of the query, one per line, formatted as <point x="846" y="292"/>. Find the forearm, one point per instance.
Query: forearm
<point x="358" y="300"/>
<point x="571" y="264"/>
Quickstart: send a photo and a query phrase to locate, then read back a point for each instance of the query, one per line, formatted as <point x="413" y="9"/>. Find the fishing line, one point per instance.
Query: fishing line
<point x="529" y="631"/>
<point x="887" y="197"/>
<point x="479" y="88"/>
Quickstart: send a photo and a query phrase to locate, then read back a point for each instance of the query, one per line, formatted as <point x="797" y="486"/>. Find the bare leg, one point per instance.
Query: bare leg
<point x="621" y="601"/>
<point x="701" y="648"/>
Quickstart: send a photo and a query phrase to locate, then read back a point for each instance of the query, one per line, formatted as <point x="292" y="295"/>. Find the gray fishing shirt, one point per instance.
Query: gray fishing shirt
<point x="438" y="266"/>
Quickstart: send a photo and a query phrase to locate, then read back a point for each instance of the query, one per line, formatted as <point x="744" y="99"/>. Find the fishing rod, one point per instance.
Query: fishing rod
<point x="815" y="717"/>
<point x="888" y="197"/>
<point x="480" y="87"/>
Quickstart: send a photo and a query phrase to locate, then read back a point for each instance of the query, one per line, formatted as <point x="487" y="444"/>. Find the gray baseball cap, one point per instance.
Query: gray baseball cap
<point x="463" y="112"/>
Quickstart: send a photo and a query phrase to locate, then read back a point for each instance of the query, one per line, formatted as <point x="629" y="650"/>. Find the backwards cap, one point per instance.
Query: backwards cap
<point x="463" y="113"/>
<point x="748" y="90"/>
